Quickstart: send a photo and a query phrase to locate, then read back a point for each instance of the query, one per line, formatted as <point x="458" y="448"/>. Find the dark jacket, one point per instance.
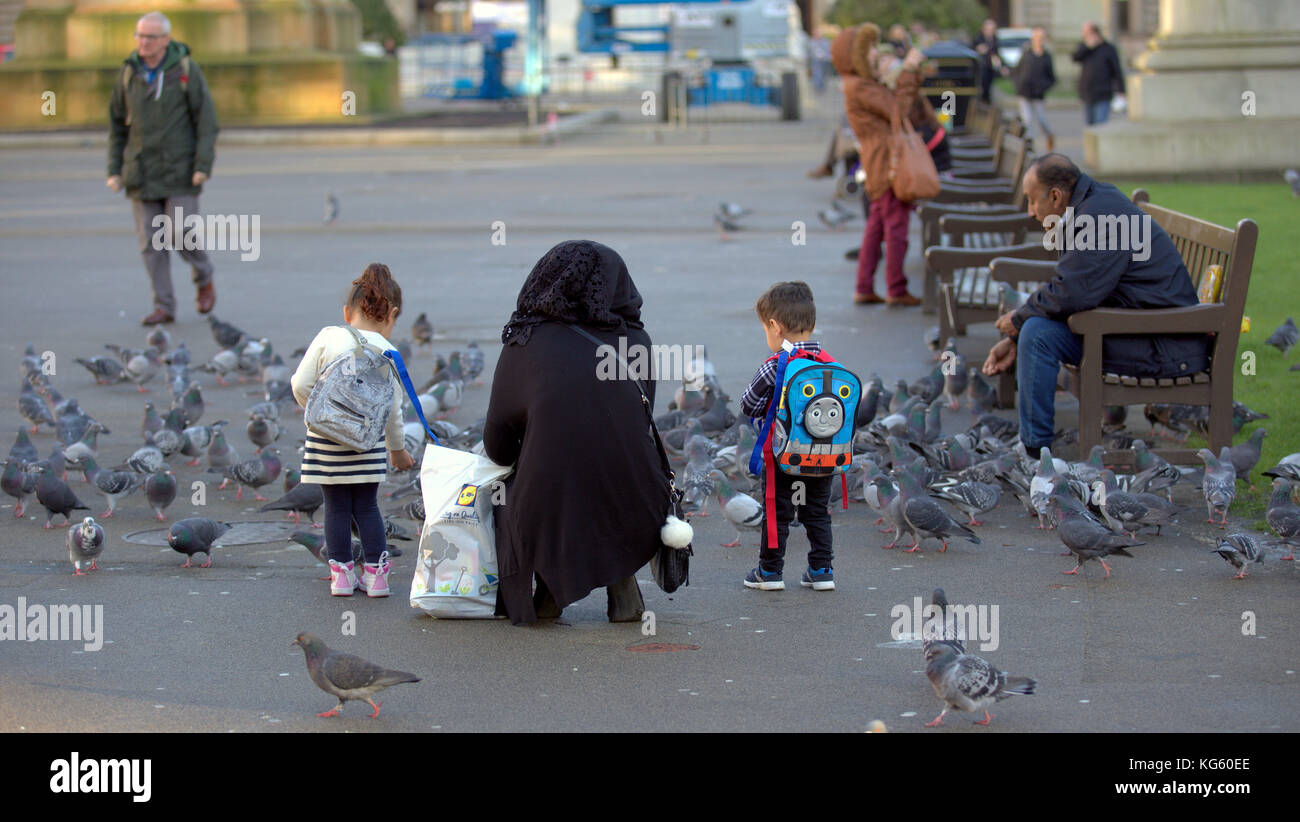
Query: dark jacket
<point x="1034" y="74"/>
<point x="588" y="497"/>
<point x="1100" y="77"/>
<point x="986" y="60"/>
<point x="1114" y="279"/>
<point x="159" y="138"/>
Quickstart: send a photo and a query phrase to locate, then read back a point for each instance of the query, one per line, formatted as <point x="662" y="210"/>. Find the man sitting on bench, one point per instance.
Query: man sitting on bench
<point x="1111" y="255"/>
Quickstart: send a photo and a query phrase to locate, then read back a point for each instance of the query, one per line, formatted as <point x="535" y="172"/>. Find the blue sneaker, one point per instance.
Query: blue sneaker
<point x="763" y="581"/>
<point x="821" y="579"/>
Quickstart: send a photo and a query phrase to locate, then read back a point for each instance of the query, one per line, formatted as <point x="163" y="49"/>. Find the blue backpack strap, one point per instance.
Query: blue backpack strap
<point x="400" y="367"/>
<point x="756" y="458"/>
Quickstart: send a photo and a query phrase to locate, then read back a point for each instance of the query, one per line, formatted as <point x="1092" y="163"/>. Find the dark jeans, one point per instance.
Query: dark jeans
<point x="345" y="503"/>
<point x="1096" y="113"/>
<point x="814" y="515"/>
<point x="1042" y="346"/>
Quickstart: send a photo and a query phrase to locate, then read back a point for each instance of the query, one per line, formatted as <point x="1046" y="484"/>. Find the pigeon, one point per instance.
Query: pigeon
<point x="472" y="361"/>
<point x="262" y="431"/>
<point x="1287" y="468"/>
<point x="143" y="367"/>
<point x="962" y="681"/>
<point x="22" y="449"/>
<point x="144" y="460"/>
<point x="85" y="544"/>
<point x="331" y="208"/>
<point x="1239" y="550"/>
<point x="733" y="211"/>
<point x="927" y="518"/>
<point x="112" y="484"/>
<point x="345" y="676"/>
<point x="971" y="497"/>
<point x="179" y="357"/>
<point x="413" y="510"/>
<point x="19" y="483"/>
<point x="1090" y="471"/>
<point x="54" y="494"/>
<point x="192" y="403"/>
<point x="293" y="477"/>
<point x="220" y="454"/>
<point x="1283" y="516"/>
<point x="982" y="395"/>
<point x="928" y="387"/>
<point x="105" y="370"/>
<point x="196" y="439"/>
<point x="314" y="542"/>
<point x="196" y="535"/>
<point x="1131" y="512"/>
<point x="882" y="496"/>
<point x="304" y="498"/>
<point x="724" y="225"/>
<point x="956" y="374"/>
<point x="741" y="510"/>
<point x="1284" y="337"/>
<point x="33" y="408"/>
<point x="253" y="472"/>
<point x="1153" y="472"/>
<point x="167" y="441"/>
<point x="1085" y="537"/>
<point x="1042" y="485"/>
<point x="697" y="484"/>
<point x="226" y="335"/>
<point x="223" y="363"/>
<point x="160" y="490"/>
<point x="1245" y="455"/>
<point x="158" y="339"/>
<point x="834" y="218"/>
<point x="86" y="446"/>
<point x="152" y="422"/>
<point x="1292" y="177"/>
<point x="1009" y="299"/>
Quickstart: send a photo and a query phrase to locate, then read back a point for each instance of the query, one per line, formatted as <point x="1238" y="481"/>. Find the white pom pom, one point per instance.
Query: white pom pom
<point x="676" y="533"/>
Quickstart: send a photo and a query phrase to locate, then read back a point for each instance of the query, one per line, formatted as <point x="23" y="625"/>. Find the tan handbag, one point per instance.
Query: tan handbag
<point x="912" y="174"/>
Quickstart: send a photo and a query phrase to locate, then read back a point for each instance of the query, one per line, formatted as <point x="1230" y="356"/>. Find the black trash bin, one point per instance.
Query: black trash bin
<point x="958" y="71"/>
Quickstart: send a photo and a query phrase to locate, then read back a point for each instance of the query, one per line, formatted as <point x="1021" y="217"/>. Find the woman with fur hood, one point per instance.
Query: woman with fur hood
<point x="870" y="106"/>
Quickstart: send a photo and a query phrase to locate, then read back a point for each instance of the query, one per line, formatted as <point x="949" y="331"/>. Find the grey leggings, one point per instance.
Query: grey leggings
<point x="1034" y="113"/>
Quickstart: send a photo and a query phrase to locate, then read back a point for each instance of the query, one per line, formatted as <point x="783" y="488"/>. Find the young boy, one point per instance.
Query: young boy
<point x="787" y="312"/>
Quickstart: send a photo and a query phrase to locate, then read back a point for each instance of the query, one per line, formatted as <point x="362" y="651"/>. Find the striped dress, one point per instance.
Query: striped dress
<point x="326" y="462"/>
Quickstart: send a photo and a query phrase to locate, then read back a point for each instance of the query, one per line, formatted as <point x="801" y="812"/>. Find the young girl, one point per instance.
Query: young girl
<point x="350" y="479"/>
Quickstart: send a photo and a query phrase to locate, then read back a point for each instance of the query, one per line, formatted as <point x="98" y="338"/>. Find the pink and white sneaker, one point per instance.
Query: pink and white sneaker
<point x="343" y="578"/>
<point x="374" y="578"/>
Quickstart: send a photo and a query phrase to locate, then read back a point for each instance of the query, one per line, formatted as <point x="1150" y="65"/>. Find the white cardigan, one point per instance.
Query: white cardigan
<point x="332" y="342"/>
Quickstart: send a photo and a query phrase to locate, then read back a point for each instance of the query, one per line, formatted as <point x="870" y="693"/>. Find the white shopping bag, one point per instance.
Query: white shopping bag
<point x="456" y="573"/>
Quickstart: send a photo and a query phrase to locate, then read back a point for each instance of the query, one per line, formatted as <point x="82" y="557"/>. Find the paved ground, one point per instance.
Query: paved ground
<point x="1157" y="647"/>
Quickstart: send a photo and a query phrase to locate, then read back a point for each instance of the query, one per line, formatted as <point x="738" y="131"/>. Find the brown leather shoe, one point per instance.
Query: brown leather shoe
<point x="864" y="299"/>
<point x="158" y="317"/>
<point x="905" y="300"/>
<point x="206" y="298"/>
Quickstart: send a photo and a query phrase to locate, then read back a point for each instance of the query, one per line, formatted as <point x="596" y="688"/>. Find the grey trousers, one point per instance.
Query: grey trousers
<point x="1034" y="114"/>
<point x="157" y="261"/>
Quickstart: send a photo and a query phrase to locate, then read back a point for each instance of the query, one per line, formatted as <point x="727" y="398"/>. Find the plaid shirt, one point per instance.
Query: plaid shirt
<point x="754" y="402"/>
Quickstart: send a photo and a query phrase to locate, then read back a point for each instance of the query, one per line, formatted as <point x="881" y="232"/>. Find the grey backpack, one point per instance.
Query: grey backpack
<point x="352" y="397"/>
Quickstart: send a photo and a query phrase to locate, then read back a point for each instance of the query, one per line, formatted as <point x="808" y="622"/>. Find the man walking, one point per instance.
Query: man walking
<point x="986" y="45"/>
<point x="1033" y="78"/>
<point x="1100" y="77"/>
<point x="162" y="139"/>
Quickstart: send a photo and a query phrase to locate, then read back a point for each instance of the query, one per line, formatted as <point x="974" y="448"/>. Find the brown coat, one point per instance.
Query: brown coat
<point x="870" y="104"/>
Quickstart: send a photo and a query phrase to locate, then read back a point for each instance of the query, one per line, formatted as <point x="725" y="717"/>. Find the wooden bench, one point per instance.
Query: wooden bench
<point x="986" y="155"/>
<point x="1201" y="245"/>
<point x="1000" y="195"/>
<point x="981" y="126"/>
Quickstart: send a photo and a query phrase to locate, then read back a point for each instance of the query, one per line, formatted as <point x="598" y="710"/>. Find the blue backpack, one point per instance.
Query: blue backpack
<point x="809" y="430"/>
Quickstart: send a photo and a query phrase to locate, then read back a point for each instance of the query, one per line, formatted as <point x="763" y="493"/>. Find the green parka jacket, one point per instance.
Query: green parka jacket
<point x="161" y="133"/>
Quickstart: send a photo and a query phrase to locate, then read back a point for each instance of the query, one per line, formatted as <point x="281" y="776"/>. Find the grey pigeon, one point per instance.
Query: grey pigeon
<point x="697" y="485"/>
<point x="834" y="218"/>
<point x="18" y="483"/>
<point x="741" y="510"/>
<point x="196" y="439"/>
<point x="143" y="367"/>
<point x="262" y="431"/>
<point x="192" y="403"/>
<point x="254" y="472"/>
<point x="196" y="535"/>
<point x="86" y="446"/>
<point x="733" y="211"/>
<point x="167" y="441"/>
<point x="331" y="208"/>
<point x="22" y="449"/>
<point x="1245" y="455"/>
<point x="220" y="454"/>
<point x="983" y="396"/>
<point x="345" y="676"/>
<point x="314" y="542"/>
<point x="1219" y="484"/>
<point x="152" y="422"/>
<point x="111" y="483"/>
<point x="144" y="460"/>
<point x="927" y="518"/>
<point x="955" y="374"/>
<point x="724" y="225"/>
<point x="180" y="356"/>
<point x="472" y="361"/>
<point x="1085" y="537"/>
<point x="1131" y="512"/>
<point x="158" y="339"/>
<point x="106" y="370"/>
<point x="1284" y="337"/>
<point x="160" y="490"/>
<point x="1287" y="468"/>
<point x="54" y="494"/>
<point x="422" y="331"/>
<point x="1283" y="516"/>
<point x="226" y="335"/>
<point x="962" y="681"/>
<point x="1153" y="473"/>
<point x="305" y="498"/>
<point x="1240" y="550"/>
<point x="413" y="510"/>
<point x="223" y="363"/>
<point x="33" y="408"/>
<point x="971" y="497"/>
<point x="85" y="544"/>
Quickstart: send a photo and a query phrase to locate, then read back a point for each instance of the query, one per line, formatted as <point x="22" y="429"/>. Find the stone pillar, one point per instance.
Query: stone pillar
<point x="1214" y="94"/>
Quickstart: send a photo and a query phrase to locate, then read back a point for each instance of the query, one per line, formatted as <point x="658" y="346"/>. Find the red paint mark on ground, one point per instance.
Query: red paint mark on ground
<point x="1058" y="586"/>
<point x="661" y="647"/>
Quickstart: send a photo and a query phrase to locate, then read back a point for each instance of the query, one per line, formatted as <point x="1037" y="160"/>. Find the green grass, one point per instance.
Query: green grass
<point x="1274" y="295"/>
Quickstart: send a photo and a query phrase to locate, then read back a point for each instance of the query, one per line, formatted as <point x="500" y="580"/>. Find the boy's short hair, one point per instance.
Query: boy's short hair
<point x="791" y="304"/>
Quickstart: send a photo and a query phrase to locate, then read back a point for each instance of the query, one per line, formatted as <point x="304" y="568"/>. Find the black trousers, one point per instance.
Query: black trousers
<point x="814" y="515"/>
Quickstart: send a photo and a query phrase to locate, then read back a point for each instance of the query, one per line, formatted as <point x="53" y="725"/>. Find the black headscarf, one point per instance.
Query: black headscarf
<point x="577" y="281"/>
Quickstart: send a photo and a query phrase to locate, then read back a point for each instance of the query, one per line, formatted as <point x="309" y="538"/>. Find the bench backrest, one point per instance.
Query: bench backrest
<point x="1203" y="244"/>
<point x="1012" y="157"/>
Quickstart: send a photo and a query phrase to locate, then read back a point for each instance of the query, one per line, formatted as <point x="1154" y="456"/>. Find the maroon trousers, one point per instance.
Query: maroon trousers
<point x="887" y="220"/>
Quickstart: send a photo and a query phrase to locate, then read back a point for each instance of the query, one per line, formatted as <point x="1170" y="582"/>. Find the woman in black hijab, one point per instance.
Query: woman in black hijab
<point x="588" y="497"/>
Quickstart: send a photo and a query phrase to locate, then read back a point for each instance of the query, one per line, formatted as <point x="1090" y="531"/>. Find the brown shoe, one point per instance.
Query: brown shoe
<point x="1051" y="143"/>
<point x="158" y="317"/>
<point x="905" y="300"/>
<point x="206" y="298"/>
<point x="864" y="299"/>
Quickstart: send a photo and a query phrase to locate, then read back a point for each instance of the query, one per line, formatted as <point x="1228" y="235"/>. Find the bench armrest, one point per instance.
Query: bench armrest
<point x="1022" y="268"/>
<point x="959" y="224"/>
<point x="1189" y="319"/>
